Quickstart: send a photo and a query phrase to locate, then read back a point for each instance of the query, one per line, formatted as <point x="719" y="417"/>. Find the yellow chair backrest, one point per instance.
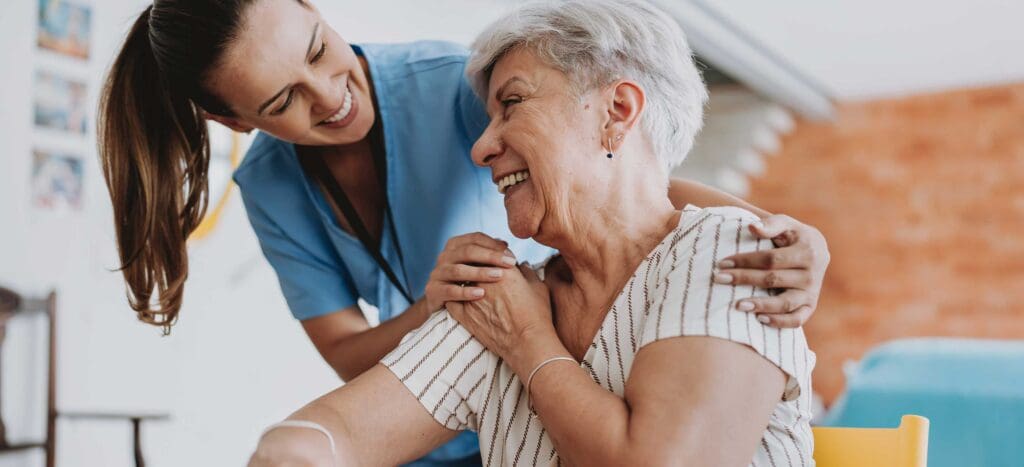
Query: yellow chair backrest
<point x="904" y="446"/>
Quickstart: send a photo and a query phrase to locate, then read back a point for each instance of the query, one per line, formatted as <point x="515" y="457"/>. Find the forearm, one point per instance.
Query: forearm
<point x="587" y="424"/>
<point x="305" y="446"/>
<point x="373" y="420"/>
<point x="357" y="353"/>
<point x="682" y="192"/>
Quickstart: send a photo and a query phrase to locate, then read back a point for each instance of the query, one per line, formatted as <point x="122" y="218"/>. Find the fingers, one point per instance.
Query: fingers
<point x="790" y="320"/>
<point x="781" y="229"/>
<point x="772" y="279"/>
<point x="787" y="238"/>
<point x="789" y="309"/>
<point x="458" y="282"/>
<point x="466" y="261"/>
<point x="786" y="302"/>
<point x="773" y="226"/>
<point x="472" y="253"/>
<point x="458" y="273"/>
<point x="479" y="248"/>
<point x="792" y="257"/>
<point x="794" y="268"/>
<point x="476" y="238"/>
<point x="448" y="292"/>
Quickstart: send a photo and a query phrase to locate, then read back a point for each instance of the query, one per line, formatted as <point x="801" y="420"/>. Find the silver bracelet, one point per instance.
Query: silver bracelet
<point x="311" y="426"/>
<point x="529" y="381"/>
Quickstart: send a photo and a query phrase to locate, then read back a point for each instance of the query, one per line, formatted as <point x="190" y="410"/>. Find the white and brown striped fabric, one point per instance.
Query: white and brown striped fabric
<point x="671" y="294"/>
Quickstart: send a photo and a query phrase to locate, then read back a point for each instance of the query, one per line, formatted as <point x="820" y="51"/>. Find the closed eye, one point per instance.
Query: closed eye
<point x="291" y="93"/>
<point x="320" y="54"/>
<point x="509" y="102"/>
<point x="287" y="103"/>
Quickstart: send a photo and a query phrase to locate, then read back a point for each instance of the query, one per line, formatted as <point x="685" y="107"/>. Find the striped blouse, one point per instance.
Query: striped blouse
<point x="466" y="387"/>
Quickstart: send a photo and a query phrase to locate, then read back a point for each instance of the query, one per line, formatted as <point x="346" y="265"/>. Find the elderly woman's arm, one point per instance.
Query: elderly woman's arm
<point x="709" y="408"/>
<point x="373" y="419"/>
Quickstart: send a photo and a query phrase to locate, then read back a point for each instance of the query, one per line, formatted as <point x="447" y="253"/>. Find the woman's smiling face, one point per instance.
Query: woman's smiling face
<point x="543" y="133"/>
<point x="289" y="74"/>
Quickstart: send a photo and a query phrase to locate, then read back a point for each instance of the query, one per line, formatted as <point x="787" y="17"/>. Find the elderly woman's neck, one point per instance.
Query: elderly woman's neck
<point x="603" y="246"/>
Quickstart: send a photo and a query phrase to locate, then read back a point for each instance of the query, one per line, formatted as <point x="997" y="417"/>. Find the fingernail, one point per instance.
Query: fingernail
<point x="727" y="264"/>
<point x="745" y="306"/>
<point x="723" y="278"/>
<point x="495" y="273"/>
<point x="478" y="292"/>
<point x="509" y="260"/>
<point x="763" y="319"/>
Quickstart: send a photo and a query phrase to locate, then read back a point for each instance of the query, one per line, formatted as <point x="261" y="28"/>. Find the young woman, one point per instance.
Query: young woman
<point x="360" y="176"/>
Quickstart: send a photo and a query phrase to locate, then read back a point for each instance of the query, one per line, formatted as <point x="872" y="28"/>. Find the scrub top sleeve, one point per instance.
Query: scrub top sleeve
<point x="311" y="284"/>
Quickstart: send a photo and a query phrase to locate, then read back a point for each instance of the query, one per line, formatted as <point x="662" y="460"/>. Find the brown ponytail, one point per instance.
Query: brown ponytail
<point x="154" y="147"/>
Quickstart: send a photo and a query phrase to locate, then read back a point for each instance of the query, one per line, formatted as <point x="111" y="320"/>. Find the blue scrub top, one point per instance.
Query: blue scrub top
<point x="431" y="117"/>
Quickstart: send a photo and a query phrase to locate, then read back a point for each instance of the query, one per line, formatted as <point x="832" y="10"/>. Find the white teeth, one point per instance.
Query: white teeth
<point x="346" y="107"/>
<point x="510" y="180"/>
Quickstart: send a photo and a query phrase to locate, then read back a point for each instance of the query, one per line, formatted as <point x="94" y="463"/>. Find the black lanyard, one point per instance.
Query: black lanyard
<point x="317" y="167"/>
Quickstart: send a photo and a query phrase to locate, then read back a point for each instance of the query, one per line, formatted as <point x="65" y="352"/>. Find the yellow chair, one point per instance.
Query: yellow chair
<point x="904" y="446"/>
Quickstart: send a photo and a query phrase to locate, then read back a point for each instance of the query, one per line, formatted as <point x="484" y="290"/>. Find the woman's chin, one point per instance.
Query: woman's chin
<point x="524" y="223"/>
<point x="521" y="209"/>
<point x="520" y="229"/>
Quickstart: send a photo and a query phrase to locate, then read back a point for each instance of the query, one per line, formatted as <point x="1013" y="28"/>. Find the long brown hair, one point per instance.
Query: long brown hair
<point x="154" y="147"/>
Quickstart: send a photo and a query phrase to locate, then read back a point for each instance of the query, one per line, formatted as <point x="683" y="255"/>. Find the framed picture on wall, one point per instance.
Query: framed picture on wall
<point x="60" y="103"/>
<point x="56" y="181"/>
<point x="64" y="27"/>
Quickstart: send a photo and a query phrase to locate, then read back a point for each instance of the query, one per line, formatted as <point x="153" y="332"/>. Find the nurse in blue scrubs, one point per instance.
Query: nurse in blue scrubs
<point x="358" y="181"/>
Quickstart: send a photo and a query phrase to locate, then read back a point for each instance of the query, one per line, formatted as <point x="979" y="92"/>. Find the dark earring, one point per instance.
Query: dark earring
<point x="610" y="153"/>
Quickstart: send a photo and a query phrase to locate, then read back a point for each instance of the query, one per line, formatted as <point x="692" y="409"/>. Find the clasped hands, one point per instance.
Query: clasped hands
<point x="501" y="302"/>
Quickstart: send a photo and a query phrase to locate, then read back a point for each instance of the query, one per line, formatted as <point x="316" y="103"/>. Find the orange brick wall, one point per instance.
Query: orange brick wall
<point x="922" y="200"/>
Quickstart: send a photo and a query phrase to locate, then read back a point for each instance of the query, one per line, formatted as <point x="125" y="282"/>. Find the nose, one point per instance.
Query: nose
<point x="488" y="147"/>
<point x="325" y="93"/>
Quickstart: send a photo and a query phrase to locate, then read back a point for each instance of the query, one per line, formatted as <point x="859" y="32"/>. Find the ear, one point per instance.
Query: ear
<point x="624" y="111"/>
<point x="230" y="122"/>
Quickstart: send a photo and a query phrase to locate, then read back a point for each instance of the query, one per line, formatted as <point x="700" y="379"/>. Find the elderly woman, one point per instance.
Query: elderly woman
<point x="621" y="350"/>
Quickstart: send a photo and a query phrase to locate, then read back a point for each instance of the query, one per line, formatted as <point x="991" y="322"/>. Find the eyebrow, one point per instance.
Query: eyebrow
<point x="309" y="48"/>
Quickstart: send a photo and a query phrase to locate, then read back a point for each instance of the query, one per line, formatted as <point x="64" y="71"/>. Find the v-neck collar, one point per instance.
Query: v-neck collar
<point x="590" y="354"/>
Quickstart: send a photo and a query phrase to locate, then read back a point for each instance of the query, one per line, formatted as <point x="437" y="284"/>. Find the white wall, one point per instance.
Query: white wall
<point x="236" y="361"/>
<point x="881" y="48"/>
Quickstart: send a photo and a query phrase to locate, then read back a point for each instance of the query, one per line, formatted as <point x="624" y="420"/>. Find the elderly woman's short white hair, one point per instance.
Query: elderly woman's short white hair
<point x="595" y="42"/>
